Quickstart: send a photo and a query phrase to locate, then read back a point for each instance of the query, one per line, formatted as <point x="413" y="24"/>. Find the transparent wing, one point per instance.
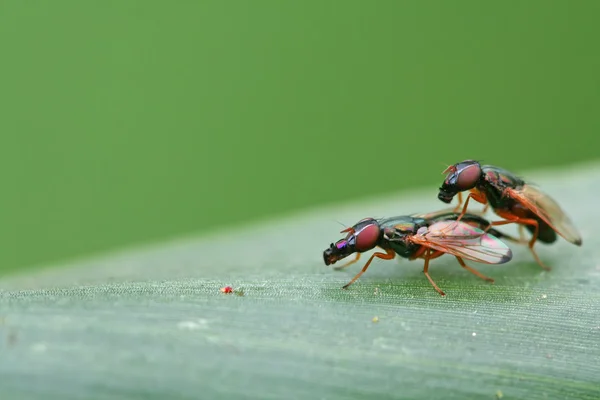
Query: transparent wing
<point x="548" y="210"/>
<point x="463" y="240"/>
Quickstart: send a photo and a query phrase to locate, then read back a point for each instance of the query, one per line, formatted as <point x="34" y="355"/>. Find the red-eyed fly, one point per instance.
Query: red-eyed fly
<point x="414" y="237"/>
<point x="512" y="199"/>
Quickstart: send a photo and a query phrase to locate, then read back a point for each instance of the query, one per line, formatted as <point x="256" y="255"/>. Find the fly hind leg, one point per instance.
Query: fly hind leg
<point x="510" y="219"/>
<point x="473" y="270"/>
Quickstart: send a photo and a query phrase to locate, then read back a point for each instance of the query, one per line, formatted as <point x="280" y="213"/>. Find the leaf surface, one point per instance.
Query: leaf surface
<point x="152" y="323"/>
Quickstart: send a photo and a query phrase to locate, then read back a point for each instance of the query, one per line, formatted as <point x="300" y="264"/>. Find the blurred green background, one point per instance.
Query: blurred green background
<point x="127" y="122"/>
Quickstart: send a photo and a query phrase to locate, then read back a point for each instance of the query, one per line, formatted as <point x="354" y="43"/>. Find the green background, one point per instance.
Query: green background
<point x="125" y="122"/>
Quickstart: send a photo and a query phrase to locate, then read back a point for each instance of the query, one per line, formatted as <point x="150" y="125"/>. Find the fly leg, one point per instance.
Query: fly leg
<point x="460" y="200"/>
<point x="485" y="208"/>
<point x="510" y="219"/>
<point x="533" y="240"/>
<point x="473" y="270"/>
<point x="388" y="255"/>
<point x="423" y="250"/>
<point x="522" y="238"/>
<point x="427" y="257"/>
<point x="478" y="197"/>
<point x="504" y="236"/>
<point x="349" y="263"/>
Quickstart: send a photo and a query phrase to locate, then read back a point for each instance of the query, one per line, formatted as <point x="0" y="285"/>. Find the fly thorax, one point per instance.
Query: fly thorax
<point x="403" y="247"/>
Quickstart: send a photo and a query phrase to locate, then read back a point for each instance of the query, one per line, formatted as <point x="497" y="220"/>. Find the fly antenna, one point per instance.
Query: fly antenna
<point x="344" y="225"/>
<point x="448" y="168"/>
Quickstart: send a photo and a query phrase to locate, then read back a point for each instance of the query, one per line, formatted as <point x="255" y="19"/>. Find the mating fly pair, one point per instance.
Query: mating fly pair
<point x="466" y="236"/>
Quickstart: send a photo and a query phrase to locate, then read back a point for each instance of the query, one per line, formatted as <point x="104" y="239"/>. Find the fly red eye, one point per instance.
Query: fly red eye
<point x="468" y="175"/>
<point x="367" y="238"/>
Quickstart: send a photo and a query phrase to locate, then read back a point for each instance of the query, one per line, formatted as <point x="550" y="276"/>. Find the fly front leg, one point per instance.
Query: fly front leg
<point x="460" y="200"/>
<point x="478" y="197"/>
<point x="473" y="270"/>
<point x="388" y="255"/>
<point x="349" y="263"/>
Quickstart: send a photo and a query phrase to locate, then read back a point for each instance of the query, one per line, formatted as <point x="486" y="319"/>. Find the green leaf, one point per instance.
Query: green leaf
<point x="153" y="323"/>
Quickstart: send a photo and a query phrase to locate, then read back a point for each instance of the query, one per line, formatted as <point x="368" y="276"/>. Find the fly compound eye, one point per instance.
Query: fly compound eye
<point x="467" y="175"/>
<point x="367" y="237"/>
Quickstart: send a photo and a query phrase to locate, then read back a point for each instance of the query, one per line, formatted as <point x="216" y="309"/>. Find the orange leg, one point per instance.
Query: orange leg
<point x="460" y="200"/>
<point x="522" y="238"/>
<point x="511" y="219"/>
<point x="422" y="250"/>
<point x="510" y="238"/>
<point x="475" y="196"/>
<point x="479" y="199"/>
<point x="436" y="254"/>
<point x="427" y="257"/>
<point x="485" y="208"/>
<point x="349" y="263"/>
<point x="473" y="270"/>
<point x="388" y="255"/>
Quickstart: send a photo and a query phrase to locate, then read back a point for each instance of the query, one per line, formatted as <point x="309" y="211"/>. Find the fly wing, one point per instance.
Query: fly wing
<point x="548" y="210"/>
<point x="463" y="240"/>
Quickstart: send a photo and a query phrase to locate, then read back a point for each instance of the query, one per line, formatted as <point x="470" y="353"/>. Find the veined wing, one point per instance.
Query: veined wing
<point x="476" y="220"/>
<point x="548" y="210"/>
<point x="463" y="240"/>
